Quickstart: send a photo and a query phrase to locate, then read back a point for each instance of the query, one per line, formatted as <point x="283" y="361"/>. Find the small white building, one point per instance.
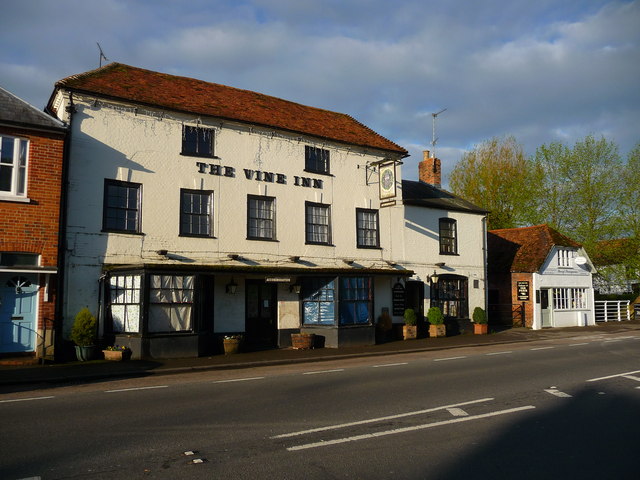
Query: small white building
<point x="540" y="274"/>
<point x="197" y="210"/>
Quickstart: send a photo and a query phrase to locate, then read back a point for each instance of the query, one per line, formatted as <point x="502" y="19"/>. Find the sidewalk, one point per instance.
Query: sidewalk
<point x="101" y="369"/>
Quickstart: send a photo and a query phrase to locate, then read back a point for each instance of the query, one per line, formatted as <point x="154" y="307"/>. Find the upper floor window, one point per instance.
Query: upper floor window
<point x="316" y="160"/>
<point x="448" y="237"/>
<point x="564" y="257"/>
<point x="10" y="259"/>
<point x="13" y="166"/>
<point x="196" y="213"/>
<point x="261" y="218"/>
<point x="197" y="141"/>
<point x="121" y="210"/>
<point x="317" y="223"/>
<point x="368" y="233"/>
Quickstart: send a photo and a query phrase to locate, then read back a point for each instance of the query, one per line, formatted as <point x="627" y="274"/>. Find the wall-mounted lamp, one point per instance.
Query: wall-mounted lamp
<point x="434" y="277"/>
<point x="440" y="264"/>
<point x="295" y="288"/>
<point x="295" y="258"/>
<point x="232" y="287"/>
<point x="391" y="263"/>
<point x="348" y="261"/>
<point x="234" y="256"/>
<point x="164" y="253"/>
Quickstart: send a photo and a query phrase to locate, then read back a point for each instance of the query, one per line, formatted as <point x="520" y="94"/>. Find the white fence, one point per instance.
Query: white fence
<point x="612" y="310"/>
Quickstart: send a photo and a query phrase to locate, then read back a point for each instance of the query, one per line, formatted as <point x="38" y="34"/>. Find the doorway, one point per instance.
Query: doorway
<point x="18" y="295"/>
<point x="261" y="329"/>
<point x="545" y="308"/>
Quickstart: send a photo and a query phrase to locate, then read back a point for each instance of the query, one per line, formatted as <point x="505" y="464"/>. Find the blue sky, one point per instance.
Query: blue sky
<point x="542" y="71"/>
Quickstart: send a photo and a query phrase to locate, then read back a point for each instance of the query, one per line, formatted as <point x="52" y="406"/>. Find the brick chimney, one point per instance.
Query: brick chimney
<point x="429" y="170"/>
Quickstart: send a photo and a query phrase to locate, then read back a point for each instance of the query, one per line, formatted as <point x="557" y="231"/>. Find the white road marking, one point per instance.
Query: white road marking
<point x="457" y="412"/>
<point x="613" y="376"/>
<point x="390" y="365"/>
<point x="407" y="429"/>
<point x="447" y="358"/>
<point x="238" y="380"/>
<point x="631" y="377"/>
<point x="25" y="399"/>
<point x="498" y="353"/>
<point x="542" y="348"/>
<point x="380" y="419"/>
<point x="324" y="371"/>
<point x="578" y="344"/>
<point x="557" y="393"/>
<point x="136" y="388"/>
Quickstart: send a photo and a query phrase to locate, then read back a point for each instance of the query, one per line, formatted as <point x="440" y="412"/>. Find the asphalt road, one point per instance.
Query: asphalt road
<point x="567" y="408"/>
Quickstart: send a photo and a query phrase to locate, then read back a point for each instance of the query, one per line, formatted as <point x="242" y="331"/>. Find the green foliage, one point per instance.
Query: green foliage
<point x="479" y="316"/>
<point x="410" y="317"/>
<point x="83" y="332"/>
<point x="435" y="316"/>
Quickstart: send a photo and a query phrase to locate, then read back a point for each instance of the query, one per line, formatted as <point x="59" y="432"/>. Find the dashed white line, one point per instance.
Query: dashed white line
<point x="578" y="344"/>
<point x="380" y="419"/>
<point x="407" y="429"/>
<point x="324" y="371"/>
<point x="448" y="358"/>
<point x="390" y="365"/>
<point x="542" y="348"/>
<point x="457" y="412"/>
<point x="134" y="389"/>
<point x="613" y="376"/>
<point x="498" y="353"/>
<point x="25" y="399"/>
<point x="632" y="377"/>
<point x="557" y="393"/>
<point x="238" y="380"/>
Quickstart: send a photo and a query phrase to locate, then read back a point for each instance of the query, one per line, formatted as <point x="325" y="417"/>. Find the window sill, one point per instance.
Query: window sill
<point x="450" y="254"/>
<point x="124" y="232"/>
<point x="262" y="239"/>
<point x="214" y="157"/>
<point x="189" y="235"/>
<point x="326" y="174"/>
<point x="368" y="247"/>
<point x="14" y="199"/>
<point x="320" y="244"/>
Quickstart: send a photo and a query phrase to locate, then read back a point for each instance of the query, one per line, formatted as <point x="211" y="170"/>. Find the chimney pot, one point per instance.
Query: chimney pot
<point x="429" y="170"/>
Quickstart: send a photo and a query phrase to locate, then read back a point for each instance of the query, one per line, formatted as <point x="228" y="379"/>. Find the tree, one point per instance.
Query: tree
<point x="497" y="176"/>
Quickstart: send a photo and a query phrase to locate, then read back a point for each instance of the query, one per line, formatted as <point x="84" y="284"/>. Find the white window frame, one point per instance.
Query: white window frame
<point x="19" y="166"/>
<point x="570" y="299"/>
<point x="564" y="257"/>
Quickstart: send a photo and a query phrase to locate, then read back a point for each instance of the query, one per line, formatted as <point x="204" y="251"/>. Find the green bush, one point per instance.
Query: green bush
<point x="435" y="316"/>
<point x="410" y="317"/>
<point x="83" y="332"/>
<point x="479" y="316"/>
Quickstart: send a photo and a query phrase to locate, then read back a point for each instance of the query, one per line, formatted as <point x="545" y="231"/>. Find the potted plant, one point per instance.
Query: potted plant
<point x="117" y="353"/>
<point x="480" y="326"/>
<point x="410" y="330"/>
<point x="437" y="327"/>
<point x="83" y="334"/>
<point x="231" y="343"/>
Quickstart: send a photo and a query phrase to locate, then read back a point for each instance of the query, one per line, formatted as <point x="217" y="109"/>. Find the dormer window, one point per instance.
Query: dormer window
<point x="197" y="141"/>
<point x="316" y="160"/>
<point x="564" y="257"/>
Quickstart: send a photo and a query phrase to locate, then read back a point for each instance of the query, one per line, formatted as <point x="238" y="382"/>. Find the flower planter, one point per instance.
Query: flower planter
<point x="117" y="355"/>
<point x="84" y="353"/>
<point x="480" y="328"/>
<point x="231" y="345"/>
<point x="438" y="330"/>
<point x="409" y="332"/>
<point x="302" y="341"/>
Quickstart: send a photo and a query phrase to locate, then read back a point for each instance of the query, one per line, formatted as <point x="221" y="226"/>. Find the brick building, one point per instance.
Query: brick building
<point x="31" y="165"/>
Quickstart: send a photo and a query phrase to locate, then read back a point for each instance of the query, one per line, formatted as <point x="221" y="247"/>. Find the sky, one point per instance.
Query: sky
<point x="542" y="71"/>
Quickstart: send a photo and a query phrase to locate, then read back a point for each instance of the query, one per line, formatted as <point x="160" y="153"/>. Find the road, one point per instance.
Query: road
<point x="551" y="409"/>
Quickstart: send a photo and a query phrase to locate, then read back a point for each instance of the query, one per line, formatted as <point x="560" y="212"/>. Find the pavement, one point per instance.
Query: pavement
<point x="78" y="372"/>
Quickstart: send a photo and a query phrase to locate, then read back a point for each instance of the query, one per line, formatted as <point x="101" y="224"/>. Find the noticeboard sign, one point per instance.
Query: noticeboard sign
<point x="523" y="289"/>
<point x="398" y="297"/>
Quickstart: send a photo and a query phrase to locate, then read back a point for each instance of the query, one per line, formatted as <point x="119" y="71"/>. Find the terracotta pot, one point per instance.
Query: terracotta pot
<point x="231" y="345"/>
<point x="410" y="331"/>
<point x="438" y="330"/>
<point x="480" y="328"/>
<point x="302" y="341"/>
<point x="117" y="355"/>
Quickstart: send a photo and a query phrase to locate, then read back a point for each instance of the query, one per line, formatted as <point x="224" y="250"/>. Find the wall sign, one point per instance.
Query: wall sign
<point x="398" y="298"/>
<point x="259" y="175"/>
<point x="523" y="290"/>
<point x="387" y="174"/>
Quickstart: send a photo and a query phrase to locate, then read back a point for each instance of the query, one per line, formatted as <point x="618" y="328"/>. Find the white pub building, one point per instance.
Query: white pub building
<point x="197" y="210"/>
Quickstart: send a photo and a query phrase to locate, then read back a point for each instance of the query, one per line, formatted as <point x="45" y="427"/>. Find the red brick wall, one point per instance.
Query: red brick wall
<point x="528" y="304"/>
<point x="32" y="227"/>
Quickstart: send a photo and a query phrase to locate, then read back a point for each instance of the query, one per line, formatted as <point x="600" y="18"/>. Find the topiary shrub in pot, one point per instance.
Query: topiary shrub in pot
<point x="437" y="327"/>
<point x="480" y="326"/>
<point x="84" y="334"/>
<point x="410" y="329"/>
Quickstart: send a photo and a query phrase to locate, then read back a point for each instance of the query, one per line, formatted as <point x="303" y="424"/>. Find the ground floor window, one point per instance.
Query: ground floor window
<point x="353" y="301"/>
<point x="569" y="298"/>
<point x="450" y="294"/>
<point x="124" y="296"/>
<point x="170" y="303"/>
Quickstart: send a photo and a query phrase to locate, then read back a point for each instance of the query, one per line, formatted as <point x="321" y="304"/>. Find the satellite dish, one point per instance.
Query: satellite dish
<point x="581" y="260"/>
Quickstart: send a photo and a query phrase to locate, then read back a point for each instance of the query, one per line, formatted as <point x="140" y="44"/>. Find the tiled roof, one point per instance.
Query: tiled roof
<point x="422" y="194"/>
<point x="18" y="113"/>
<point x="183" y="94"/>
<point x="523" y="249"/>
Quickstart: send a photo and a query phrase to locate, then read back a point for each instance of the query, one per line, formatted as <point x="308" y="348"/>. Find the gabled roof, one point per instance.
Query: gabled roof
<point x="422" y="194"/>
<point x="15" y="112"/>
<point x="523" y="249"/>
<point x="183" y="94"/>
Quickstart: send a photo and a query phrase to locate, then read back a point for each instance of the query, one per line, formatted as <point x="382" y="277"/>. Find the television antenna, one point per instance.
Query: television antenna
<point x="434" y="139"/>
<point x="102" y="55"/>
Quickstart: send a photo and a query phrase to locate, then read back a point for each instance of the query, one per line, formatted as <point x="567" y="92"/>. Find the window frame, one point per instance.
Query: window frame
<point x="19" y="167"/>
<point x="125" y="290"/>
<point x="448" y="236"/>
<point x="190" y="215"/>
<point x="108" y="182"/>
<point x="259" y="227"/>
<point x="308" y="235"/>
<point x="198" y="142"/>
<point x="168" y="292"/>
<point x="362" y="229"/>
<point x="317" y="160"/>
<point x="570" y="298"/>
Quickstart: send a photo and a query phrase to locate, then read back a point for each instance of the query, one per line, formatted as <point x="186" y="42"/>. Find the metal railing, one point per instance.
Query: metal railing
<point x="612" y="310"/>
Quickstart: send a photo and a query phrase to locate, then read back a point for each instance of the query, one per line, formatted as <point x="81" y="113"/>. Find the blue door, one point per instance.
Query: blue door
<point x="18" y="296"/>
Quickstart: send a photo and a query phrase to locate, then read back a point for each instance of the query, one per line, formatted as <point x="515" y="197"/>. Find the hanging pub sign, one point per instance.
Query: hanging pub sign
<point x="398" y="298"/>
<point x="387" y="180"/>
<point x="523" y="290"/>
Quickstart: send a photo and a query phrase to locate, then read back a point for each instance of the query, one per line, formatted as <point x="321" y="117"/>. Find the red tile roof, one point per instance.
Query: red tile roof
<point x="183" y="94"/>
<point x="523" y="249"/>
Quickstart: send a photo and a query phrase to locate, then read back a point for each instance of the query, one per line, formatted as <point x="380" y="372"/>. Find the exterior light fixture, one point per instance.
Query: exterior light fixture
<point x="295" y="258"/>
<point x="234" y="256"/>
<point x="348" y="261"/>
<point x="295" y="288"/>
<point x="391" y="263"/>
<point x="434" y="277"/>
<point x="164" y="253"/>
<point x="232" y="287"/>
